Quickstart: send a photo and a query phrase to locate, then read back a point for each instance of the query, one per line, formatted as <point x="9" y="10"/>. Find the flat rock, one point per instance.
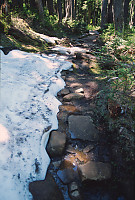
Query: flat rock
<point x="68" y="174"/>
<point x="68" y="108"/>
<point x="82" y="127"/>
<point x="64" y="91"/>
<point x="95" y="171"/>
<point x="56" y="144"/>
<point x="46" y="189"/>
<point x="73" y="96"/>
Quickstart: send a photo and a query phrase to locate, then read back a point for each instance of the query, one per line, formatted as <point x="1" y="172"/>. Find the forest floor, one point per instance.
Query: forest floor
<point x="107" y="145"/>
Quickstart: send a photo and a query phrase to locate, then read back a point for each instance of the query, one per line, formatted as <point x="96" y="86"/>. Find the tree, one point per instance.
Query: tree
<point x="119" y="15"/>
<point x="104" y="14"/>
<point x="59" y="10"/>
<point x="110" y="11"/>
<point x="126" y="12"/>
<point x="40" y="7"/>
<point x="132" y="14"/>
<point x="50" y="6"/>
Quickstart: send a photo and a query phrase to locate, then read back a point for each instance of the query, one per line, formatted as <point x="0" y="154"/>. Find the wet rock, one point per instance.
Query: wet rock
<point x="69" y="108"/>
<point x="68" y="174"/>
<point x="81" y="127"/>
<point x="95" y="171"/>
<point x="74" y="192"/>
<point x="73" y="96"/>
<point x="56" y="144"/>
<point x="46" y="189"/>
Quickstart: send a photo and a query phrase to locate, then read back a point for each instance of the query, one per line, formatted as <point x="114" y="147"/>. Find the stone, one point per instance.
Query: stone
<point x="95" y="171"/>
<point x="73" y="190"/>
<point x="68" y="174"/>
<point x="69" y="108"/>
<point x="81" y="127"/>
<point x="73" y="96"/>
<point x="56" y="144"/>
<point x="43" y="190"/>
<point x="62" y="116"/>
<point x="64" y="91"/>
<point x="80" y="90"/>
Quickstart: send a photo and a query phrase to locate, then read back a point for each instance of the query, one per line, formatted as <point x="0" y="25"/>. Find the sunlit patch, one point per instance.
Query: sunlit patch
<point x="4" y="136"/>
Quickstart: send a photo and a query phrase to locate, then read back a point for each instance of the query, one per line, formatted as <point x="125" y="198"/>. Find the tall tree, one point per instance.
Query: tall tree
<point x="50" y="6"/>
<point x="40" y="7"/>
<point x="132" y="10"/>
<point x="126" y="12"/>
<point x="110" y="11"/>
<point x="59" y="10"/>
<point x="119" y="15"/>
<point x="104" y="13"/>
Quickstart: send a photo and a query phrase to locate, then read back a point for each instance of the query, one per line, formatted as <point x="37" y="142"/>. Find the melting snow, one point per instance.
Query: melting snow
<point x="29" y="84"/>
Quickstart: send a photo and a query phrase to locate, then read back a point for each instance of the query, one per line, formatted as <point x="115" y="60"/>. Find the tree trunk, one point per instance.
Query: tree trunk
<point x="32" y="4"/>
<point x="132" y="13"/>
<point x="40" y="7"/>
<point x="89" y="13"/>
<point x="50" y="6"/>
<point x="119" y="15"/>
<point x="134" y="17"/>
<point x="72" y="10"/>
<point x="59" y="10"/>
<point x="104" y="14"/>
<point x="126" y="12"/>
<point x="110" y="11"/>
<point x="68" y="9"/>
<point x="75" y="8"/>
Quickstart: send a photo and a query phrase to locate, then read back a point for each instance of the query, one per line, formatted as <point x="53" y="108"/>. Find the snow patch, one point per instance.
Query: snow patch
<point x="29" y="84"/>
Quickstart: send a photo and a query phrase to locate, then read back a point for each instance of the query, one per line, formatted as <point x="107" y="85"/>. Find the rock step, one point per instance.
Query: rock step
<point x="46" y="189"/>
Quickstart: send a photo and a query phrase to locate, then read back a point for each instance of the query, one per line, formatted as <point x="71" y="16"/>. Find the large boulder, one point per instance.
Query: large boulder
<point x="56" y="144"/>
<point x="96" y="171"/>
<point x="46" y="189"/>
<point x="82" y="127"/>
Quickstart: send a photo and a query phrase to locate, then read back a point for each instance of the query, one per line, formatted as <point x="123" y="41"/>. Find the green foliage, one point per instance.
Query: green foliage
<point x="77" y="26"/>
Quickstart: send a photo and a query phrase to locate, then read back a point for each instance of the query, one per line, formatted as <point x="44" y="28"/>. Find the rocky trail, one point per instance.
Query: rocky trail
<point x="81" y="149"/>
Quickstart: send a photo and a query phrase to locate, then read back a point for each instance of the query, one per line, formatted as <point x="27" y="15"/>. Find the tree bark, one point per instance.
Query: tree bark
<point x="126" y="12"/>
<point x="110" y="11"/>
<point x="119" y="15"/>
<point x="50" y="6"/>
<point x="40" y="7"/>
<point x="104" y="14"/>
<point x="59" y="10"/>
<point x="132" y="9"/>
